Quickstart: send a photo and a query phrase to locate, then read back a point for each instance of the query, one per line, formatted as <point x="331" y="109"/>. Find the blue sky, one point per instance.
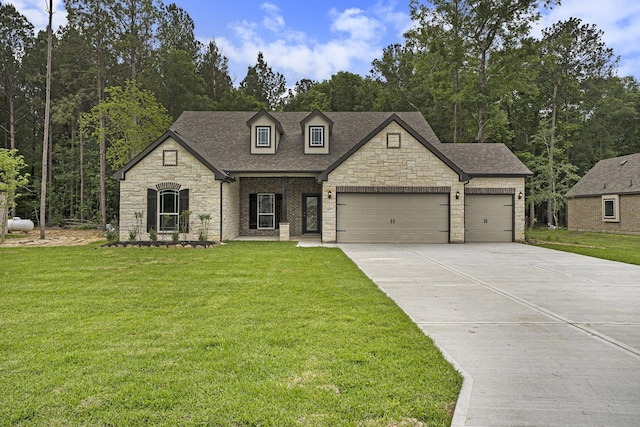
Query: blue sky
<point x="317" y="39"/>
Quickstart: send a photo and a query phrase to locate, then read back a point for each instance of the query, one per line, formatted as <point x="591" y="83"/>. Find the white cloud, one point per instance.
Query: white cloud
<point x="36" y="12"/>
<point x="354" y="38"/>
<point x="273" y="20"/>
<point x="357" y="24"/>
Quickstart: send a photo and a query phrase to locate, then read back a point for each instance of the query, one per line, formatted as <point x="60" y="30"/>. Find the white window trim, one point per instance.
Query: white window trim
<point x="271" y="214"/>
<point x="316" y="144"/>
<point x="615" y="200"/>
<point x="162" y="214"/>
<point x="260" y="143"/>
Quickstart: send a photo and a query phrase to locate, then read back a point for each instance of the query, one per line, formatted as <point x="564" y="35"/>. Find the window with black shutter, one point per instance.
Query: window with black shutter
<point x="264" y="211"/>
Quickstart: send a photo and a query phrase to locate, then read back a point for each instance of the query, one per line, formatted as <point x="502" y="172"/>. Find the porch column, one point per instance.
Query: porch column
<point x="285" y="233"/>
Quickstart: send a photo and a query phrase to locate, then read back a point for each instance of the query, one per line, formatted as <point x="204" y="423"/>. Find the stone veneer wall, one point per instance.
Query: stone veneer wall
<point x="204" y="191"/>
<point x="230" y="210"/>
<point x="507" y="183"/>
<point x="296" y="188"/>
<point x="585" y="214"/>
<point x="411" y="165"/>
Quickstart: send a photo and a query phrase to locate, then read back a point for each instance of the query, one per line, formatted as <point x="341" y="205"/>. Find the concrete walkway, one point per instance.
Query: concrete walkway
<point x="544" y="338"/>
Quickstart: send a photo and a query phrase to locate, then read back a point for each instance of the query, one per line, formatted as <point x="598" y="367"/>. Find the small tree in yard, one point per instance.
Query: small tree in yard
<point x="10" y="180"/>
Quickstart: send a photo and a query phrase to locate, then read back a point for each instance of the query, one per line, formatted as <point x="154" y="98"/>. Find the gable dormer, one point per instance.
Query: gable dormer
<point x="316" y="128"/>
<point x="265" y="133"/>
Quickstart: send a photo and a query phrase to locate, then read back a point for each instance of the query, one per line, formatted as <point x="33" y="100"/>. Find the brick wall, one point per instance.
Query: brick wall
<point x="296" y="188"/>
<point x="204" y="191"/>
<point x="585" y="214"/>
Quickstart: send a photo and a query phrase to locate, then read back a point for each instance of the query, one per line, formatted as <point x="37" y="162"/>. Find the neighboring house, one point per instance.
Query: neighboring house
<point x="346" y="176"/>
<point x="607" y="198"/>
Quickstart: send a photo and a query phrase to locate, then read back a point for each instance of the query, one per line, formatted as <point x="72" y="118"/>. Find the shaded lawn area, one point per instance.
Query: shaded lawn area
<point x="246" y="334"/>
<point x="615" y="247"/>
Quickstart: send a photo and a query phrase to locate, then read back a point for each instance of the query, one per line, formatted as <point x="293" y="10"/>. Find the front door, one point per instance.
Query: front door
<point x="311" y="213"/>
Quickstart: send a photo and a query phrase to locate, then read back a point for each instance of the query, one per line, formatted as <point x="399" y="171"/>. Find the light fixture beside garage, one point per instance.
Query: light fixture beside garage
<point x="329" y="194"/>
<point x="520" y="195"/>
<point x="457" y="195"/>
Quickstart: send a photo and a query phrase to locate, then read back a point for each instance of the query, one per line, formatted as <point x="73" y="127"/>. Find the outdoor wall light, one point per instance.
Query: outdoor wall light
<point x="329" y="194"/>
<point x="457" y="195"/>
<point x="520" y="195"/>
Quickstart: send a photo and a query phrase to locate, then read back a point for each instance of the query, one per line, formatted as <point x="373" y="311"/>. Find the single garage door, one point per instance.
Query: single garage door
<point x="392" y="218"/>
<point x="488" y="218"/>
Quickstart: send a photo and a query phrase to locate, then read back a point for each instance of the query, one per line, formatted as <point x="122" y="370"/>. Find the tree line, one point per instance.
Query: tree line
<point x="123" y="70"/>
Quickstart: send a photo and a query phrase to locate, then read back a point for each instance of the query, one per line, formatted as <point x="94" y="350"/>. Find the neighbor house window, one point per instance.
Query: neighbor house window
<point x="610" y="209"/>
<point x="263" y="137"/>
<point x="317" y="136"/>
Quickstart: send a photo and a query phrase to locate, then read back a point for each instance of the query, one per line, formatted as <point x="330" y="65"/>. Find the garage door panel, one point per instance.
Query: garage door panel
<point x="488" y="218"/>
<point x="392" y="218"/>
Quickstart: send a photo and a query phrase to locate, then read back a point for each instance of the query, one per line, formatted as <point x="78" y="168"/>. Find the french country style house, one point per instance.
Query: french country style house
<point x="347" y="177"/>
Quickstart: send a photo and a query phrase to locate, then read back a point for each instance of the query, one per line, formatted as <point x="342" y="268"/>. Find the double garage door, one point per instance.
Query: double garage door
<point x="420" y="218"/>
<point x="392" y="218"/>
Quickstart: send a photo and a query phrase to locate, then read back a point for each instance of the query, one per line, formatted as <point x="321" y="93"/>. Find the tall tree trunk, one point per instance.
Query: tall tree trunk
<point x="103" y="149"/>
<point x="12" y="125"/>
<point x="483" y="91"/>
<point x="50" y="169"/>
<point x="81" y="178"/>
<point x="552" y="144"/>
<point x="47" y="119"/>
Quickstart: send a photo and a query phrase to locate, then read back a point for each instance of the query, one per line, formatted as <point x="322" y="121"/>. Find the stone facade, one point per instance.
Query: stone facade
<point x="296" y="188"/>
<point x="505" y="185"/>
<point x="585" y="214"/>
<point x="410" y="165"/>
<point x="190" y="173"/>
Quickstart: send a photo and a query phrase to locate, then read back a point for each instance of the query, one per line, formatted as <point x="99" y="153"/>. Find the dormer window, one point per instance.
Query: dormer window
<point x="263" y="136"/>
<point x="317" y="136"/>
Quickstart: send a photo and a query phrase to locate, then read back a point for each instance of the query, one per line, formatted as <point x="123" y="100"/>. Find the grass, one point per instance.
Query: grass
<point x="615" y="247"/>
<point x="247" y="334"/>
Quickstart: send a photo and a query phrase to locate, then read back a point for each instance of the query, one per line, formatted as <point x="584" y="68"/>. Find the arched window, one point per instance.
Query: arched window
<point x="168" y="214"/>
<point x="165" y="203"/>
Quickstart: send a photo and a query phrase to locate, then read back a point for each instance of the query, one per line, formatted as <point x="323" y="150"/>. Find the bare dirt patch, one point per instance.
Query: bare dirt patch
<point x="54" y="237"/>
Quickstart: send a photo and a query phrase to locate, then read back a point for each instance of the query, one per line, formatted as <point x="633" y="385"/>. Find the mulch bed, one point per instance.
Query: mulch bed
<point x="164" y="244"/>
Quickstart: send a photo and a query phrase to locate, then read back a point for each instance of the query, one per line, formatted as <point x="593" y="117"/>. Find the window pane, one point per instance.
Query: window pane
<point x="263" y="137"/>
<point x="265" y="203"/>
<point x="317" y="134"/>
<point x="168" y="210"/>
<point x="265" y="221"/>
<point x="609" y="211"/>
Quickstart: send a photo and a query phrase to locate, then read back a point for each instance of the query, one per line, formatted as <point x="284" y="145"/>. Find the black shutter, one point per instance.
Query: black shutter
<point x="253" y="211"/>
<point x="152" y="206"/>
<point x="278" y="210"/>
<point x="184" y="206"/>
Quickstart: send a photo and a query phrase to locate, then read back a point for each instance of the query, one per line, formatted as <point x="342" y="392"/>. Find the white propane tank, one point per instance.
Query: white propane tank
<point x="17" y="224"/>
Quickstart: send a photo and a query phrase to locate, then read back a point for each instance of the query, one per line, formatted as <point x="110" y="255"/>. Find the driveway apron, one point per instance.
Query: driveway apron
<point x="543" y="338"/>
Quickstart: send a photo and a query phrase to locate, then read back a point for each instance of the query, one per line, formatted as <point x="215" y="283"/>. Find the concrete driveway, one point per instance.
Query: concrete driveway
<point x="543" y="338"/>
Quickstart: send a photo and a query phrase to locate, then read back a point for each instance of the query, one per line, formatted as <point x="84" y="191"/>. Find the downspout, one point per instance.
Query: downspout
<point x="221" y="182"/>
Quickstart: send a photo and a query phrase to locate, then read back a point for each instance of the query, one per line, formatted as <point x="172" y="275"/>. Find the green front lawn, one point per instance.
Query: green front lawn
<point x="616" y="247"/>
<point x="247" y="334"/>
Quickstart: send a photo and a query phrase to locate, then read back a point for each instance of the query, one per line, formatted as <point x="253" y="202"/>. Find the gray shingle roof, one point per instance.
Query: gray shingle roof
<point x="487" y="159"/>
<point x="619" y="175"/>
<point x="221" y="140"/>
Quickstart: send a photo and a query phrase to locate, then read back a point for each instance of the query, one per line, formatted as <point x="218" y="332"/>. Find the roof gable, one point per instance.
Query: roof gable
<point x="618" y="175"/>
<point x="263" y="113"/>
<point x="121" y="174"/>
<point x="394" y="118"/>
<point x="313" y="114"/>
